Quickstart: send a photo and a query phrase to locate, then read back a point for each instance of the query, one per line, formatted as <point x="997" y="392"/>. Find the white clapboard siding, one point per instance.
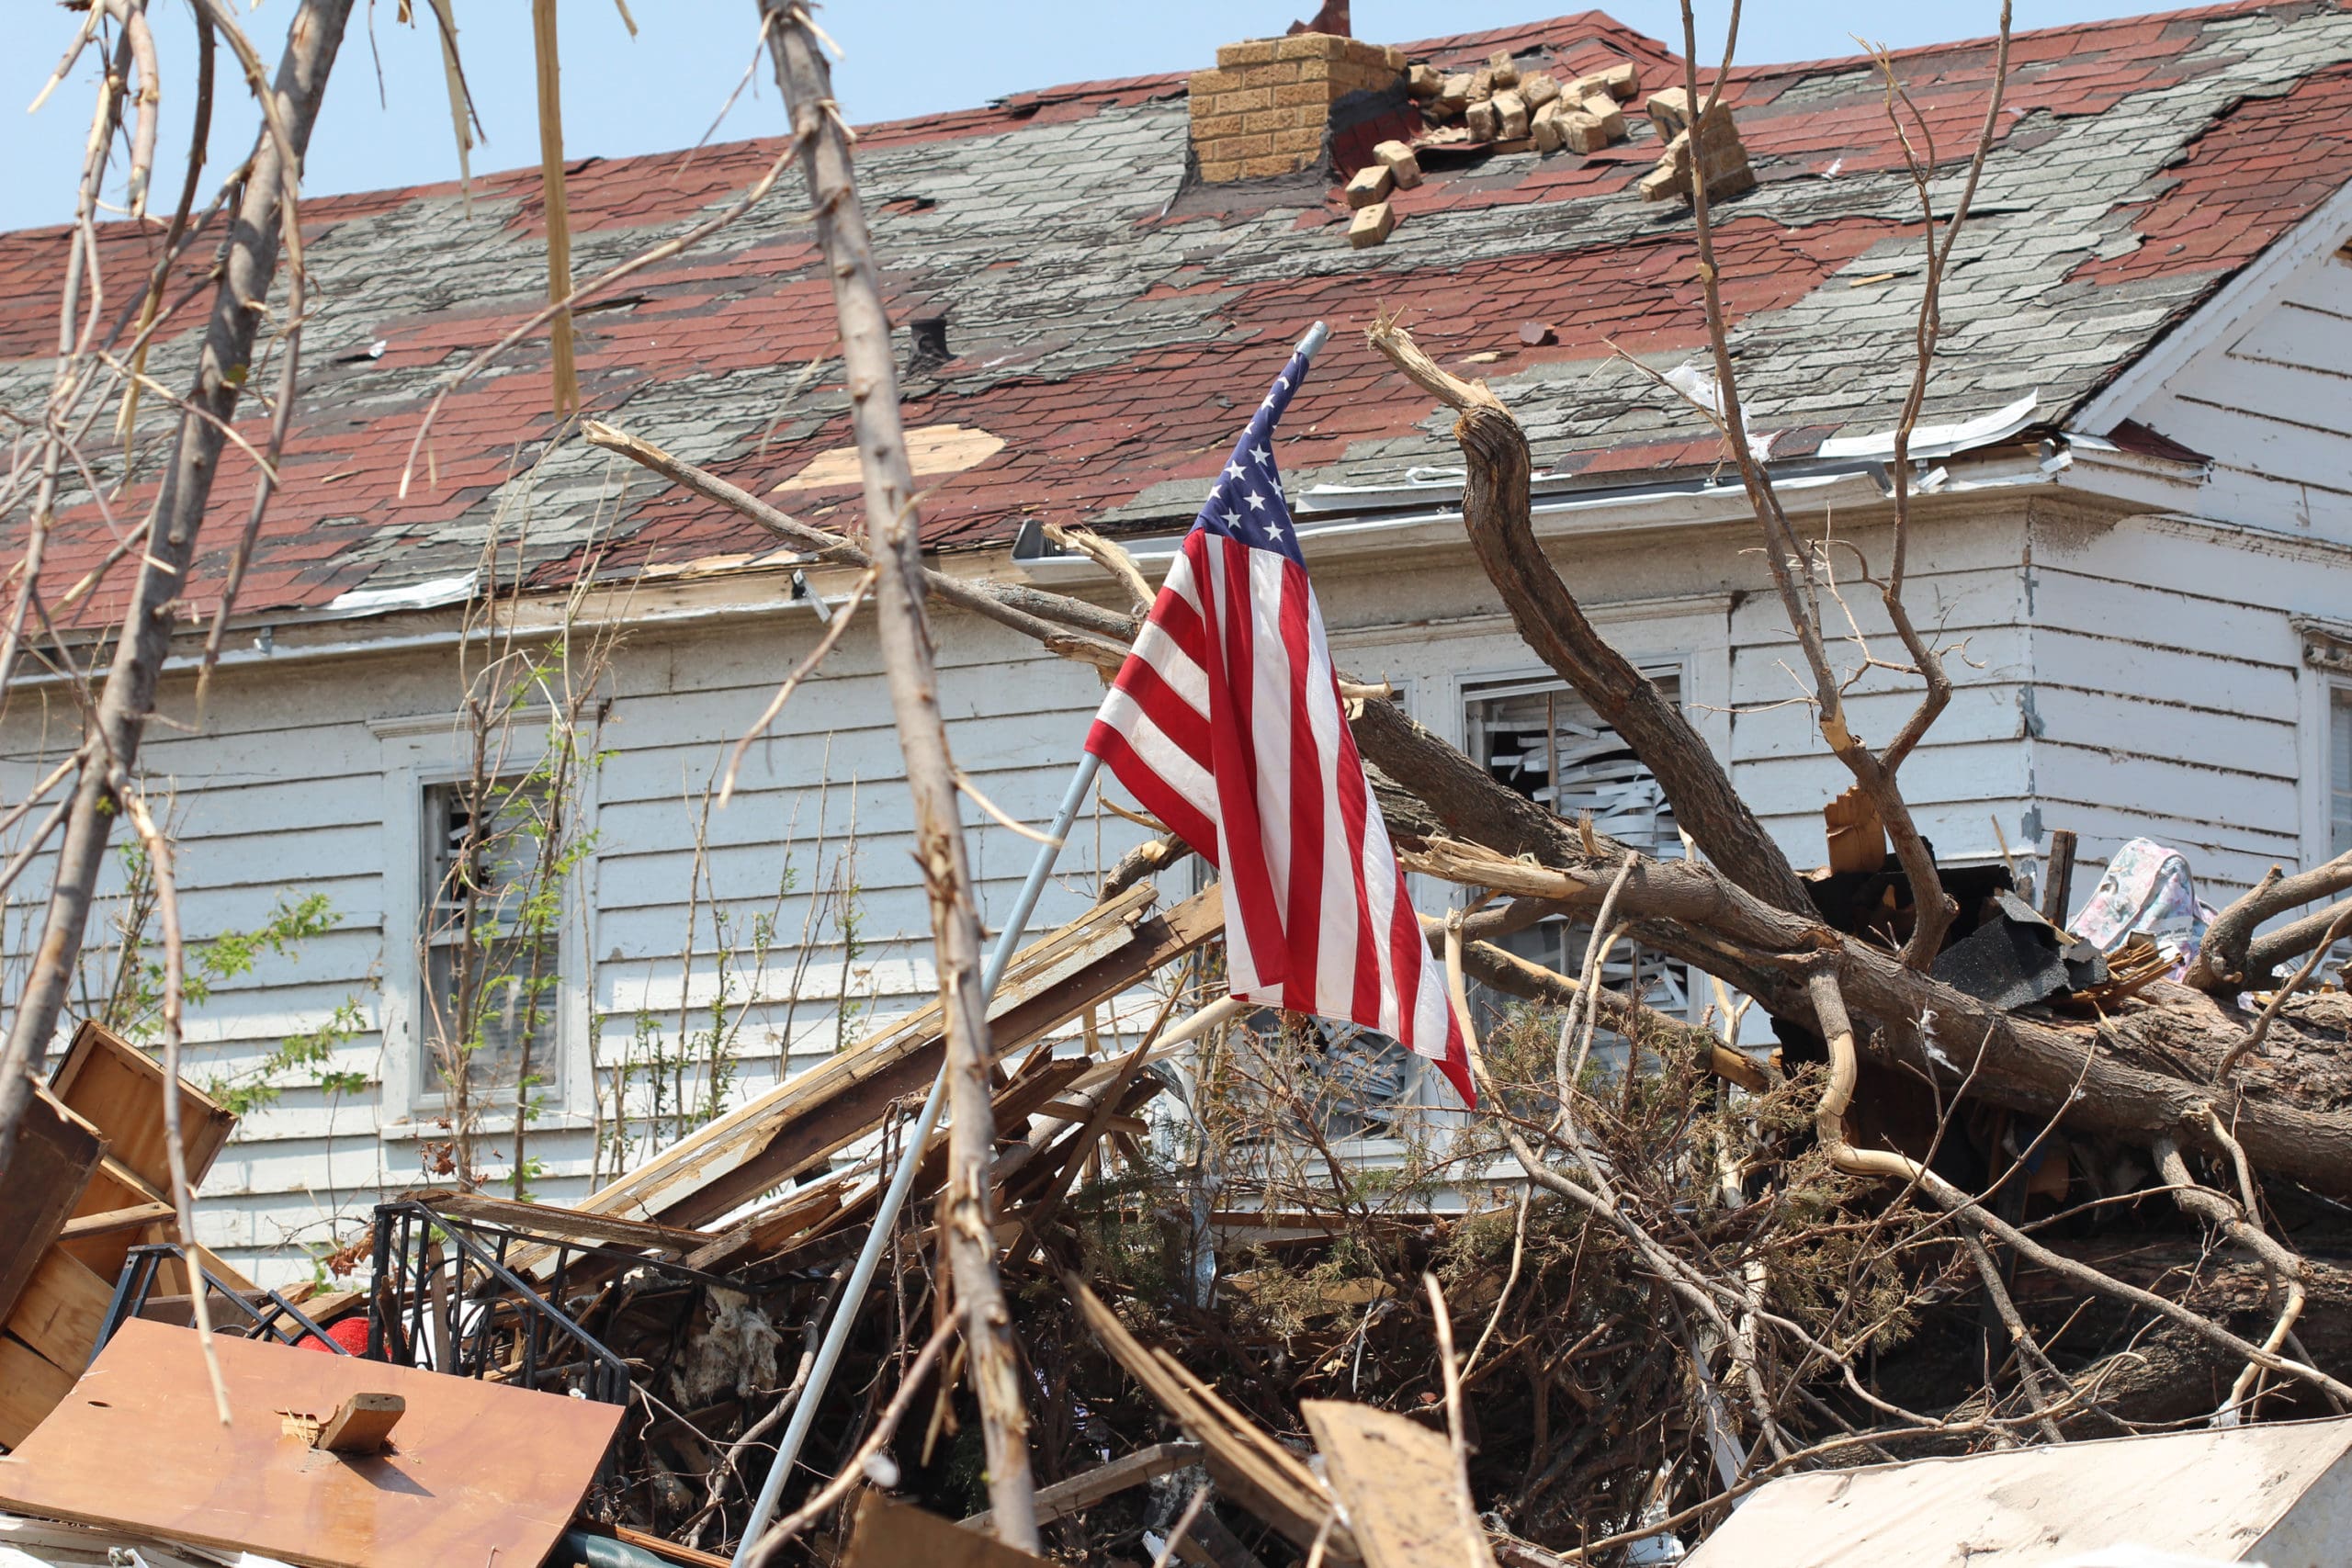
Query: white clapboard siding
<point x="2270" y="402"/>
<point x="2168" y="693"/>
<point x="2139" y="678"/>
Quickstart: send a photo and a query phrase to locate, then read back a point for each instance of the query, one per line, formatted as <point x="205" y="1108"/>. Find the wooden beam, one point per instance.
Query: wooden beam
<point x="107" y="1221"/>
<point x="362" y="1424"/>
<point x="563" y="1224"/>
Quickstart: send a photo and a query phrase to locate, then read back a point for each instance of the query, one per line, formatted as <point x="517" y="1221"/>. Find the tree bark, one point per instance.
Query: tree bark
<point x="893" y="533"/>
<point x="129" y="696"/>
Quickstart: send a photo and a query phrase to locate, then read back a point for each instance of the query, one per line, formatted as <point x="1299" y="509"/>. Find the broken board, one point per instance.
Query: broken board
<point x="475" y="1473"/>
<point x="892" y="1535"/>
<point x="1397" y="1480"/>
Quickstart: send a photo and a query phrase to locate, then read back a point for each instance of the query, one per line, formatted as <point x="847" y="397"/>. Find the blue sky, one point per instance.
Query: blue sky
<point x="386" y="118"/>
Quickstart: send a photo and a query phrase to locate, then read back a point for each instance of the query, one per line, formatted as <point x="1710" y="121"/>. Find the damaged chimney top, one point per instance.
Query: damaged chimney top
<point x="930" y="350"/>
<point x="1266" y="109"/>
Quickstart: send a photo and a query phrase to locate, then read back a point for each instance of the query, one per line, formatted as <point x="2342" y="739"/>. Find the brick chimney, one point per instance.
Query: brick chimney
<point x="1266" y="109"/>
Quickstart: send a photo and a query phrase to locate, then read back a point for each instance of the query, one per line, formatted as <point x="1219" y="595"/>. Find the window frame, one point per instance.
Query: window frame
<point x="428" y="752"/>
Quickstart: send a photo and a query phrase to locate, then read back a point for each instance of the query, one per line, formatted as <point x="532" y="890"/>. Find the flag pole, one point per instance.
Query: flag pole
<point x="886" y="1218"/>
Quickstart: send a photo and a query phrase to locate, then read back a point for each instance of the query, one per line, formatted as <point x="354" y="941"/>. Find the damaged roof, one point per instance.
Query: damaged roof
<point x="1110" y="320"/>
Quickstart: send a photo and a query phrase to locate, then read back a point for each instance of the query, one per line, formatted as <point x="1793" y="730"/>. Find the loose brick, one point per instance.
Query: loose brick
<point x="1371" y="225"/>
<point x="1503" y="68"/>
<point x="1583" y="132"/>
<point x="1550" y="132"/>
<point x="1538" y="88"/>
<point x="1482" y="86"/>
<point x="1603" y="107"/>
<point x="1622" y="81"/>
<point x="1484" y="120"/>
<point x="1402" y="163"/>
<point x="1456" y="90"/>
<point x="1423" y="81"/>
<point x="1372" y="185"/>
<point x="1511" y="111"/>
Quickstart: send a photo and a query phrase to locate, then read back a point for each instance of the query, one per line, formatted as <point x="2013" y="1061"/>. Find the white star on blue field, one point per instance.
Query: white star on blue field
<point x="1247" y="503"/>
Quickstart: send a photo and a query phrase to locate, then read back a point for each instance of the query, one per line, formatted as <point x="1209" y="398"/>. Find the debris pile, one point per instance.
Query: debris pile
<point x="1497" y="108"/>
<point x="1500" y="107"/>
<point x="1244" y="1346"/>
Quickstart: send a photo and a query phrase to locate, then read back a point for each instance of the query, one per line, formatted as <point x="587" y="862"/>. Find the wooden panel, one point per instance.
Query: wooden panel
<point x="121" y="1088"/>
<point x="62" y="1309"/>
<point x="29" y="1389"/>
<point x="894" y="1535"/>
<point x="1397" y="1478"/>
<point x="57" y="1153"/>
<point x="477" y="1473"/>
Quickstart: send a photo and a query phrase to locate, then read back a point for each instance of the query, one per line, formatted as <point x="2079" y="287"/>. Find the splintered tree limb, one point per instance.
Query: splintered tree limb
<point x="1496" y="512"/>
<point x="2232" y="956"/>
<point x="895" y="545"/>
<point x="1829" y="1128"/>
<point x="129" y="696"/>
<point x="1925" y="1026"/>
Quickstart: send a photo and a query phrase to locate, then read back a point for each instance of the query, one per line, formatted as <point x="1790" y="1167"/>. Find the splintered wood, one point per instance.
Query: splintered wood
<point x="1250" y="1467"/>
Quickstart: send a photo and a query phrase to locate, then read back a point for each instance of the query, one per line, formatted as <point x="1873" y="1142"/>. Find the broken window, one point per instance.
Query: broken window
<point x="2339" y="770"/>
<point x="1539" y="737"/>
<point x="492" y="969"/>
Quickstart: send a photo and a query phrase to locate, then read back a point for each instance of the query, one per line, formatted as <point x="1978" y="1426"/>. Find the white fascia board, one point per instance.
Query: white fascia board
<point x="2323" y="232"/>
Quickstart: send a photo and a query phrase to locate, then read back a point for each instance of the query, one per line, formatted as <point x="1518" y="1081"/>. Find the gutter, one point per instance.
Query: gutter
<point x="1346" y="521"/>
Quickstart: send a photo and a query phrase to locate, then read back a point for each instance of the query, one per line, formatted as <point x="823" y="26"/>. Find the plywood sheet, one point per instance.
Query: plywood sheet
<point x="476" y="1474"/>
<point x="63" y="1307"/>
<point x="57" y="1153"/>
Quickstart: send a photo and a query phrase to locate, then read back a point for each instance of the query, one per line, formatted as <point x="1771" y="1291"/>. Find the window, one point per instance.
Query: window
<point x="2339" y="770"/>
<point x="1539" y="737"/>
<point x="491" y="969"/>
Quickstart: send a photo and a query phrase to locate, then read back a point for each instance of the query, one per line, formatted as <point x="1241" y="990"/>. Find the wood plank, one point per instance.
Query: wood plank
<point x="895" y="1534"/>
<point x="565" y="1225"/>
<point x="138" y="1216"/>
<point x="1082" y="1491"/>
<point x="1398" y="1478"/>
<point x="482" y="1473"/>
<point x="29" y="1389"/>
<point x="362" y="1424"/>
<point x="120" y="1090"/>
<point x="57" y="1153"/>
<point x="1249" y="1466"/>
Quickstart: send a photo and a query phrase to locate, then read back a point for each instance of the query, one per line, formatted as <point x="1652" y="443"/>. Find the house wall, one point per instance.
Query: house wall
<point x="2171" y="697"/>
<point x="2268" y="397"/>
<point x="296" y="777"/>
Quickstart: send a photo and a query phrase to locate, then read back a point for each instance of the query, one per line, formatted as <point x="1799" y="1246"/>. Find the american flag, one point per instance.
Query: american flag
<point x="1226" y="724"/>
